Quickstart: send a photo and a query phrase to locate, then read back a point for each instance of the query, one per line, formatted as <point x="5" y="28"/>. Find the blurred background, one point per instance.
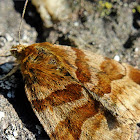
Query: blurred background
<point x="110" y="28"/>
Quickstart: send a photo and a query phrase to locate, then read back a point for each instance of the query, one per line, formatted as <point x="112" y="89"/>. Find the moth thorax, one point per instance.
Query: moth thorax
<point x="17" y="50"/>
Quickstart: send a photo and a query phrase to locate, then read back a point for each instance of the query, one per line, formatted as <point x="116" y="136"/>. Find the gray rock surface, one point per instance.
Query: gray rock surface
<point x="114" y="35"/>
<point x="90" y="25"/>
<point x="17" y="120"/>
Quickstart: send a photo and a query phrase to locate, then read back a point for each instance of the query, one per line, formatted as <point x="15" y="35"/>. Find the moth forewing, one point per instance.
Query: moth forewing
<point x="61" y="84"/>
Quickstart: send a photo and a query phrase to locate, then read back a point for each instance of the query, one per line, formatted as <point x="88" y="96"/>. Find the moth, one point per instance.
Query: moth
<point x="77" y="94"/>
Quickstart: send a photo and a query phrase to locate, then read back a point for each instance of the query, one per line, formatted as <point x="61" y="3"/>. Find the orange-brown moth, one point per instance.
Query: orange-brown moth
<point x="77" y="94"/>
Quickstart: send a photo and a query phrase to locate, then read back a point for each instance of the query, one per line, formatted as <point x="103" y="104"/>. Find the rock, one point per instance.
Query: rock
<point x="52" y="10"/>
<point x="83" y="24"/>
<point x="11" y="126"/>
<point x="17" y="121"/>
<point x="107" y="30"/>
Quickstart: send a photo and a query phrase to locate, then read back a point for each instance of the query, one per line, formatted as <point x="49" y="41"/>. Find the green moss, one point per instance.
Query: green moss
<point x="108" y="5"/>
<point x="104" y="8"/>
<point x="134" y="10"/>
<point x="138" y="8"/>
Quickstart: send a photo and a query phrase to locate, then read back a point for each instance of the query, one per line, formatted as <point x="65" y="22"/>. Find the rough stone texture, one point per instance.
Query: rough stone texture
<point x="114" y="33"/>
<point x="90" y="25"/>
<point x="10" y="124"/>
<point x="17" y="120"/>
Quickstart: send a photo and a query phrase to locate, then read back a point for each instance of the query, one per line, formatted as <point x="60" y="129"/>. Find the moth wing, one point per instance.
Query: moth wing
<point x="80" y="118"/>
<point x="115" y="85"/>
<point x="59" y="82"/>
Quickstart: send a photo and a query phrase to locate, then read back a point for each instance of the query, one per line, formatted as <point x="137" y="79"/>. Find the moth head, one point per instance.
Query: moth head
<point x="17" y="50"/>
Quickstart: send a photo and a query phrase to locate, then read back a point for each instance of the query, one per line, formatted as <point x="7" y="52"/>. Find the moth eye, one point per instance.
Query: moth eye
<point x="52" y="61"/>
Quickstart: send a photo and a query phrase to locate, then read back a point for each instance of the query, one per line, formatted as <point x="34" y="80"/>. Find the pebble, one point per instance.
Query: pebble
<point x="39" y="129"/>
<point x="15" y="133"/>
<point x="9" y="38"/>
<point x="1" y="115"/>
<point x="9" y="95"/>
<point x="10" y="137"/>
<point x="136" y="49"/>
<point x="76" y="24"/>
<point x="117" y="58"/>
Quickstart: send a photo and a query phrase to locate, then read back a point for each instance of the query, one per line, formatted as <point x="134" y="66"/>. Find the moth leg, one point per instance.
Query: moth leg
<point x="10" y="73"/>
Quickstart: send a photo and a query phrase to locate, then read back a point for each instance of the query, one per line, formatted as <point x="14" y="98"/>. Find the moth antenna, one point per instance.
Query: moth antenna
<point x="15" y="68"/>
<point x="23" y="13"/>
